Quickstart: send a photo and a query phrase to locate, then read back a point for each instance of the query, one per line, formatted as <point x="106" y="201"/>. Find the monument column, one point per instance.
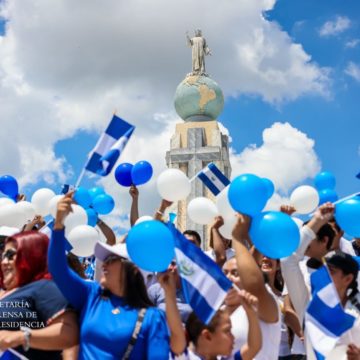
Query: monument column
<point x="198" y="140"/>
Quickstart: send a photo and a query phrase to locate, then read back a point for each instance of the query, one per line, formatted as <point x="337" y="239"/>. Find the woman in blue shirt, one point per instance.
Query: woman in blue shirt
<point x="108" y="311"/>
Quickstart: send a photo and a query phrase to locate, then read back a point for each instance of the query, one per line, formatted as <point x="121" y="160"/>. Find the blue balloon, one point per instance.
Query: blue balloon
<point x="270" y="188"/>
<point x="325" y="180"/>
<point x="103" y="204"/>
<point x="248" y="194"/>
<point x="9" y="186"/>
<point x="347" y="215"/>
<point x="92" y="216"/>
<point x="82" y="197"/>
<point x="123" y="174"/>
<point x="150" y="245"/>
<point x="141" y="172"/>
<point x="274" y="234"/>
<point x="327" y="195"/>
<point x="95" y="191"/>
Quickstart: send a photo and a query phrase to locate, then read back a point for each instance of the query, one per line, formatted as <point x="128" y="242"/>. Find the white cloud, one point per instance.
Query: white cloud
<point x="335" y="27"/>
<point x="67" y="65"/>
<point x="352" y="43"/>
<point x="353" y="70"/>
<point x="287" y="157"/>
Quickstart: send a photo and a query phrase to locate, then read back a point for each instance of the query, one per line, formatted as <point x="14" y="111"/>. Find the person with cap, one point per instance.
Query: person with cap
<point x="117" y="319"/>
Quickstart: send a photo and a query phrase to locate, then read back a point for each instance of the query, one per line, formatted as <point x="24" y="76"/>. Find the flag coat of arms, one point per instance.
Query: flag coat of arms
<point x="203" y="282"/>
<point x="109" y="147"/>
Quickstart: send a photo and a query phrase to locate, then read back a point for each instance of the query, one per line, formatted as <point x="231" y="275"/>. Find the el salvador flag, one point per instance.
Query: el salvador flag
<point x="213" y="178"/>
<point x="325" y="318"/>
<point x="203" y="282"/>
<point x="109" y="146"/>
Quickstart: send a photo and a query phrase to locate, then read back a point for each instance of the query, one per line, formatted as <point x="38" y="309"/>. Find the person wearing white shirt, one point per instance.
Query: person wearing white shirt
<point x="343" y="279"/>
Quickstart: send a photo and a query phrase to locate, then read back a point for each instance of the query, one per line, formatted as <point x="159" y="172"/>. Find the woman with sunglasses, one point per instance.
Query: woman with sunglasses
<point x="33" y="319"/>
<point x="117" y="319"/>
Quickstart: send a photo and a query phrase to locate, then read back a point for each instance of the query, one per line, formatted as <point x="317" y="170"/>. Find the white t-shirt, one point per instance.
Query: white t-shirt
<point x="271" y="334"/>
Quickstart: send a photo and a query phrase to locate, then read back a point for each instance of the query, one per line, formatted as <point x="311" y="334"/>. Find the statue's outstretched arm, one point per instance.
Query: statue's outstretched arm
<point x="188" y="40"/>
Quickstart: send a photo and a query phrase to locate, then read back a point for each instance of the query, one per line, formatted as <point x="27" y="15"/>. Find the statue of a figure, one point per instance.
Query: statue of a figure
<point x="199" y="50"/>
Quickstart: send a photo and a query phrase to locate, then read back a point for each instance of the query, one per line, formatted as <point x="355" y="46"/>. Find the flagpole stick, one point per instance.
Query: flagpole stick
<point x="80" y="178"/>
<point x="20" y="356"/>
<point x="346" y="198"/>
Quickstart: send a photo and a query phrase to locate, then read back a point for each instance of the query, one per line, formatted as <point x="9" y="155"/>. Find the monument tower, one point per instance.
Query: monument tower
<point x="198" y="140"/>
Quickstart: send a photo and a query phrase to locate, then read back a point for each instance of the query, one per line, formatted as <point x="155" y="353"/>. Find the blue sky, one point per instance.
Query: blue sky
<point x="78" y="93"/>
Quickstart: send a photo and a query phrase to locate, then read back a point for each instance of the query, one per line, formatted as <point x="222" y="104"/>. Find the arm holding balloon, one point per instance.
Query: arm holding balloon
<point x="298" y="290"/>
<point x="250" y="274"/>
<point x="107" y="231"/>
<point x="74" y="288"/>
<point x="217" y="241"/>
<point x="163" y="206"/>
<point x="134" y="210"/>
<point x="177" y="333"/>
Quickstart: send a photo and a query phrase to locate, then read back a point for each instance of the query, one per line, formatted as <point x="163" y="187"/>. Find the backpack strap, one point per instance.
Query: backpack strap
<point x="135" y="334"/>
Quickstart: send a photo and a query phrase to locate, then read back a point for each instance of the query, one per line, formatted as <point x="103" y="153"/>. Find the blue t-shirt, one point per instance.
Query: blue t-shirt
<point x="33" y="305"/>
<point x="106" y="323"/>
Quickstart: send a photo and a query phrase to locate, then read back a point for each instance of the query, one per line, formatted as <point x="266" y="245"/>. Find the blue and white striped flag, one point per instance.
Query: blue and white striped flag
<point x="109" y="146"/>
<point x="325" y="318"/>
<point x="203" y="282"/>
<point x="213" y="178"/>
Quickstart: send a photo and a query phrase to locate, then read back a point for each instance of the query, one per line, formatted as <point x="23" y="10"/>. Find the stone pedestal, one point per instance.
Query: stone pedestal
<point x="193" y="146"/>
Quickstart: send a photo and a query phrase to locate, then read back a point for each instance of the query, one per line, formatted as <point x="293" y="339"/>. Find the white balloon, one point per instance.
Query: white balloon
<point x="83" y="239"/>
<point x="12" y="216"/>
<point x="298" y="222"/>
<point x="6" y="201"/>
<point x="201" y="210"/>
<point x="53" y="204"/>
<point x="223" y="205"/>
<point x="173" y="185"/>
<point x="40" y="200"/>
<point x="305" y="199"/>
<point x="76" y="218"/>
<point x="143" y="218"/>
<point x="28" y="209"/>
<point x="227" y="228"/>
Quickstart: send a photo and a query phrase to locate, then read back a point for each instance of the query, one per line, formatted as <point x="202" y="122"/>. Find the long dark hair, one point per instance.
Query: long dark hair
<point x="132" y="281"/>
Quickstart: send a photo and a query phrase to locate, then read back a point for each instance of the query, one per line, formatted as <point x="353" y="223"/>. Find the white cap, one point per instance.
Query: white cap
<point x="102" y="251"/>
<point x="8" y="231"/>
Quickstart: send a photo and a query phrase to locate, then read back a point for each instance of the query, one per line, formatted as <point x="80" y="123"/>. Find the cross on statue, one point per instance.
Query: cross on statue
<point x="196" y="155"/>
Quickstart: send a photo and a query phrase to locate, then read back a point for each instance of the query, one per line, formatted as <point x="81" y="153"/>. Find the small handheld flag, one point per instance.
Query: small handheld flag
<point x="109" y="147"/>
<point x="203" y="283"/>
<point x="325" y="319"/>
<point x="213" y="178"/>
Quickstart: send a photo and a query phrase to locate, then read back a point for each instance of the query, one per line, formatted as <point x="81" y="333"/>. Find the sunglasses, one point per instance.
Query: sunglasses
<point x="112" y="258"/>
<point x="8" y="254"/>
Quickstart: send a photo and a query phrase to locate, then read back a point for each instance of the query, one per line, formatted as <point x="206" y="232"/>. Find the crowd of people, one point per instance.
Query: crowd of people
<point x="54" y="307"/>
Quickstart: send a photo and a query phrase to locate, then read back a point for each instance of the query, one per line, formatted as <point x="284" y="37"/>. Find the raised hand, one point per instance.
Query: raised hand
<point x="241" y="229"/>
<point x="134" y="192"/>
<point x="63" y="210"/>
<point x="218" y="222"/>
<point x="287" y="209"/>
